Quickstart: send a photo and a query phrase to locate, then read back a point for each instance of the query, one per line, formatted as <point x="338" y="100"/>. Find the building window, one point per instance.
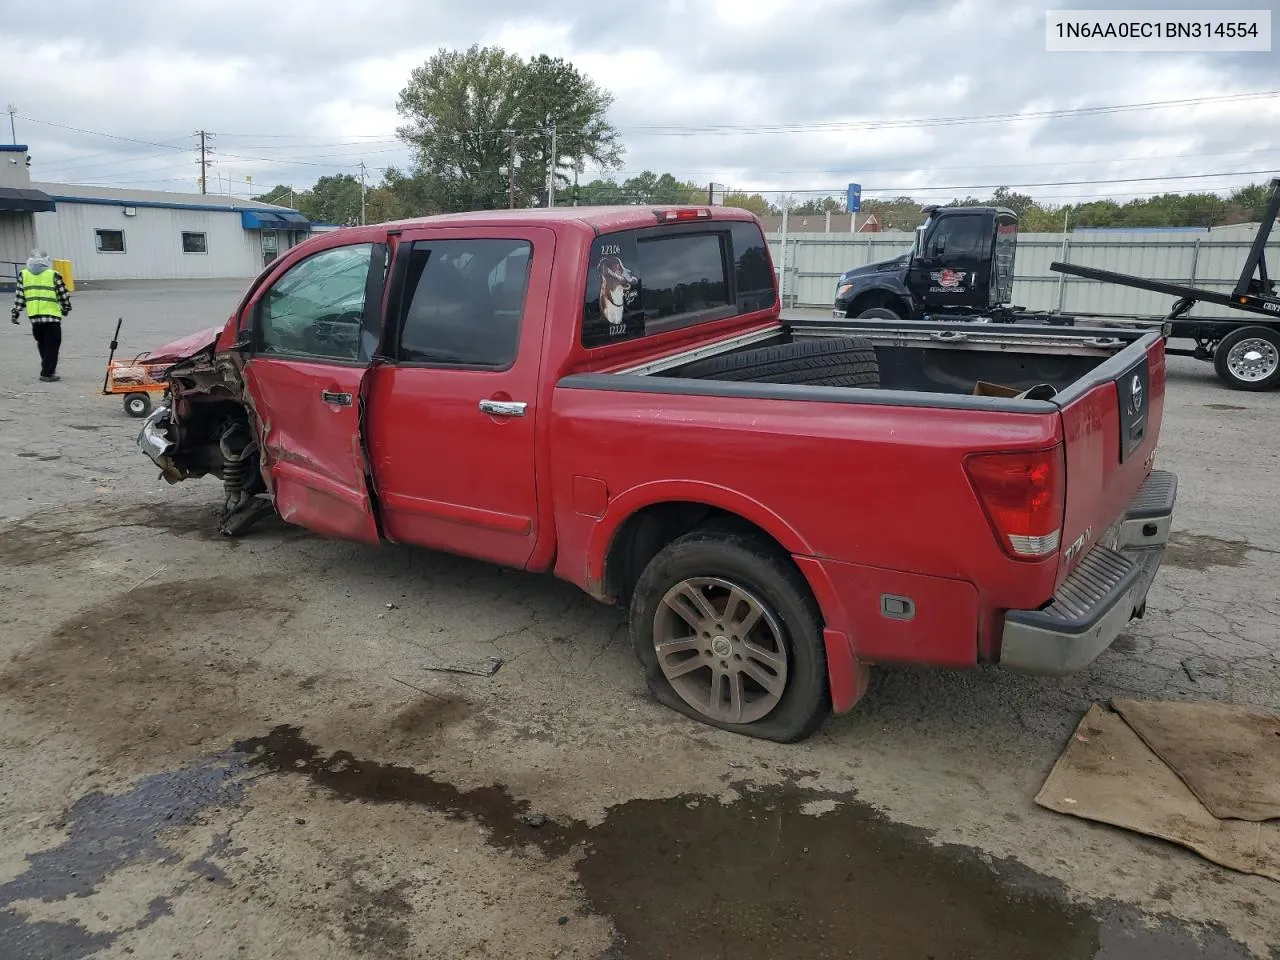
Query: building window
<point x="110" y="241"/>
<point x="194" y="242"/>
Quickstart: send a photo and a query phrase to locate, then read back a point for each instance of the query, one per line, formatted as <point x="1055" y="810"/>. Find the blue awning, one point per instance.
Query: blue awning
<point x="273" y="220"/>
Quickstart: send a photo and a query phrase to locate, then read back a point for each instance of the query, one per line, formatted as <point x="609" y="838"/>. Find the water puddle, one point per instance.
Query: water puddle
<point x="782" y="871"/>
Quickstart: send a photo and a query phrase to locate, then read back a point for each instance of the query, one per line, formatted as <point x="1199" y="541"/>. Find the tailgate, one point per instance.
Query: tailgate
<point x="1111" y="422"/>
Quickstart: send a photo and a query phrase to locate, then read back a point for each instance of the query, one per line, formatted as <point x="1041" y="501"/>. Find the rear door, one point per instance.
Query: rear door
<point x="313" y="332"/>
<point x="454" y="406"/>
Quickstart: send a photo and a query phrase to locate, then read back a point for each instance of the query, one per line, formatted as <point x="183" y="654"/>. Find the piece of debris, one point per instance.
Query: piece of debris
<point x="392" y="606"/>
<point x="482" y="668"/>
<point x="534" y="820"/>
<point x="1196" y="773"/>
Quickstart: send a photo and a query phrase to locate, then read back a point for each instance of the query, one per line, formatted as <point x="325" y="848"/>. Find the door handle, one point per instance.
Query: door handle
<point x="341" y="399"/>
<point x="503" y="408"/>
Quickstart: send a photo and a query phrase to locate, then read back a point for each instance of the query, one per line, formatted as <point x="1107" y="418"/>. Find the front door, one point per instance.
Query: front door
<point x="314" y="330"/>
<point x="454" y="409"/>
<point x="954" y="269"/>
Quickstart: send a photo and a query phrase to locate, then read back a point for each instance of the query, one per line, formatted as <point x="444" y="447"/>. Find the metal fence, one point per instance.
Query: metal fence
<point x="1211" y="259"/>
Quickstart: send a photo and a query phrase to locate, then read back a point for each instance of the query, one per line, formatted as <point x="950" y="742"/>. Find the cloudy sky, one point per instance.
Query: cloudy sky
<point x="798" y="96"/>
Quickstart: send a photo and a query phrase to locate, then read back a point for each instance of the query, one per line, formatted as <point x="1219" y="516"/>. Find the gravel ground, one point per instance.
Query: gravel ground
<point x="288" y="747"/>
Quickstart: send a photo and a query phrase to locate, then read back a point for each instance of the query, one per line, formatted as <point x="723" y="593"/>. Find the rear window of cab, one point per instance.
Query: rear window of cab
<point x="642" y="282"/>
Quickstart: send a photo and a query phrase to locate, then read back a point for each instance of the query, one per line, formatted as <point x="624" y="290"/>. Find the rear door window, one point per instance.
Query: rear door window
<point x="463" y="300"/>
<point x="643" y="282"/>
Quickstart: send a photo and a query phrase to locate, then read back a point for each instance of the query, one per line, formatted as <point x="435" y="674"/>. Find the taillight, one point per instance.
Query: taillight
<point x="1024" y="496"/>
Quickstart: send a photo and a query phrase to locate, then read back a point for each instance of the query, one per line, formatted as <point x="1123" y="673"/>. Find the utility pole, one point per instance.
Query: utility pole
<point x="511" y="173"/>
<point x="551" y="173"/>
<point x="204" y="136"/>
<point x="362" y="191"/>
<point x="13" y="132"/>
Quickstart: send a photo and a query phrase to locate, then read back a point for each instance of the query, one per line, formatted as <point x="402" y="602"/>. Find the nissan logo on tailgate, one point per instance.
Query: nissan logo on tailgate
<point x="1135" y="393"/>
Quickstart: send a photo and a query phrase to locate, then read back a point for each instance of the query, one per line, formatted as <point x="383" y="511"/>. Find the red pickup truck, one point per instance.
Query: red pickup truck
<point x="611" y="395"/>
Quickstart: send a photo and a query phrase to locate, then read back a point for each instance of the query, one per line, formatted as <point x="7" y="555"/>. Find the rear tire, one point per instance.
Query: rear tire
<point x="137" y="404"/>
<point x="879" y="313"/>
<point x="1249" y="359"/>
<point x="829" y="362"/>
<point x="739" y="578"/>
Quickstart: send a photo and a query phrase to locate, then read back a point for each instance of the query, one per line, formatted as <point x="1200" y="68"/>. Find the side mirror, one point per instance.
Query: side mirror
<point x="917" y="250"/>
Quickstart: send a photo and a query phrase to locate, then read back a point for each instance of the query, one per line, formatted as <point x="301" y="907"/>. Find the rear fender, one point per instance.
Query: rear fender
<point x="623" y="507"/>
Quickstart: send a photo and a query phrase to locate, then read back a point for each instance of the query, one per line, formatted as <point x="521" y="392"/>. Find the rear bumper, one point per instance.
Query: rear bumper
<point x="1108" y="589"/>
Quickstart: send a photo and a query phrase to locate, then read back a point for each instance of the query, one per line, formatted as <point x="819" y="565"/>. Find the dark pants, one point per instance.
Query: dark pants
<point x="48" y="336"/>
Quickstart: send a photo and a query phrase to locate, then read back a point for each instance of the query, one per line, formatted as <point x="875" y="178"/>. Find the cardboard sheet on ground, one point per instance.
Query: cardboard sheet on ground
<point x="1227" y="754"/>
<point x="1108" y="774"/>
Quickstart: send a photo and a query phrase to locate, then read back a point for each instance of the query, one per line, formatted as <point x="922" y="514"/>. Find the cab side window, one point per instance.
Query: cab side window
<point x="463" y="302"/>
<point x="316" y="309"/>
<point x="958" y="236"/>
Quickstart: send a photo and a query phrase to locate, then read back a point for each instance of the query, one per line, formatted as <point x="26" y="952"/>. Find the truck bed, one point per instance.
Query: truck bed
<point x="875" y="478"/>
<point x="946" y="359"/>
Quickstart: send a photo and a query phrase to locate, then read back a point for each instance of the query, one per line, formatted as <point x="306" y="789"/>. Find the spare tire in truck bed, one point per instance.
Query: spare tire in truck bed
<point x="827" y="362"/>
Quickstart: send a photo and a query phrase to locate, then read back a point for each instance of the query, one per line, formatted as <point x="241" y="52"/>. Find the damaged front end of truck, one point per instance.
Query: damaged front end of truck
<point x="207" y="427"/>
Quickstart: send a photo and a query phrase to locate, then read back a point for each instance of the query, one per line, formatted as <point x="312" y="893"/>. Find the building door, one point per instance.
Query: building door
<point x="270" y="246"/>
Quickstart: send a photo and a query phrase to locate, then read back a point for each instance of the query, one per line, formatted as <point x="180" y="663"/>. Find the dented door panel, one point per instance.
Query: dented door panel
<point x="309" y="432"/>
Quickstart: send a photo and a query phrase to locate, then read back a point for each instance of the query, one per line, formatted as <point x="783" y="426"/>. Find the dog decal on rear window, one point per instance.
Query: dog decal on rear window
<point x="616" y="286"/>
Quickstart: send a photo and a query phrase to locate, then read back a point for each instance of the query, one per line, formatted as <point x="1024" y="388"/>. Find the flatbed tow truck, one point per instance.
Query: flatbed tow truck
<point x="1246" y="352"/>
<point x="960" y="270"/>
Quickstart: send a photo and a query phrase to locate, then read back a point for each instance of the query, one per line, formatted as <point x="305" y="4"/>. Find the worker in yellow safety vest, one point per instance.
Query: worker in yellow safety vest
<point x="43" y="294"/>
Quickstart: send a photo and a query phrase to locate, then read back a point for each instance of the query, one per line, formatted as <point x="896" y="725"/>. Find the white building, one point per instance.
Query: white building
<point x="115" y="234"/>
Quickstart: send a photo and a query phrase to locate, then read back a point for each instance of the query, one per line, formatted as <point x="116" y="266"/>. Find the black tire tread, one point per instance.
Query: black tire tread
<point x="849" y="360"/>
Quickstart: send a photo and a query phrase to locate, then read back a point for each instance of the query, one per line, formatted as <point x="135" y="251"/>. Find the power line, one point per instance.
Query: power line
<point x="835" y="191"/>
<point x="858" y="169"/>
<point x="840" y="125"/>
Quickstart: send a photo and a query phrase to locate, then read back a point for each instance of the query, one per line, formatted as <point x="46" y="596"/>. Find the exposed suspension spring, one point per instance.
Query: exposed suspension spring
<point x="236" y="449"/>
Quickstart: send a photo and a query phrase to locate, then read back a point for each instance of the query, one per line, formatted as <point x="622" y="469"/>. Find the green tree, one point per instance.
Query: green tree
<point x="819" y="207"/>
<point x="333" y="199"/>
<point x="465" y="111"/>
<point x="281" y="195"/>
<point x="553" y="92"/>
<point x="754" y="202"/>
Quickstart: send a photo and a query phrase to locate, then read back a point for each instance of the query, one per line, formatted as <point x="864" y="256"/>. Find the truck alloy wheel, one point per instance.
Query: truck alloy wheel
<point x="720" y="649"/>
<point x="729" y="635"/>
<point x="1249" y="359"/>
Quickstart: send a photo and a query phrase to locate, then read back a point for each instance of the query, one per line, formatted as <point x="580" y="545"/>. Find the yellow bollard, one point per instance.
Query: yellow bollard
<point x="64" y="268"/>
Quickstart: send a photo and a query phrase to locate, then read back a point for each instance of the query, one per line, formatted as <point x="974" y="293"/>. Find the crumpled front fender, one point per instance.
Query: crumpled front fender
<point x="154" y="441"/>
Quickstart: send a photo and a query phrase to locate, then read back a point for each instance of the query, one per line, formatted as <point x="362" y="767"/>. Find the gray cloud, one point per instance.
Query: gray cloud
<point x="293" y="91"/>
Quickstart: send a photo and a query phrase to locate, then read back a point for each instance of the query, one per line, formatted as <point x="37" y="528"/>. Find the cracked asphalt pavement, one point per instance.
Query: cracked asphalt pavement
<point x="290" y="747"/>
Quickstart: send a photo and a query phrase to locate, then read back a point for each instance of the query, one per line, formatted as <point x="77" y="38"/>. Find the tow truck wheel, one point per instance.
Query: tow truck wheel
<point x="878" y="313"/>
<point x="1249" y="359"/>
<point x="137" y="404"/>
<point x="730" y="635"/>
